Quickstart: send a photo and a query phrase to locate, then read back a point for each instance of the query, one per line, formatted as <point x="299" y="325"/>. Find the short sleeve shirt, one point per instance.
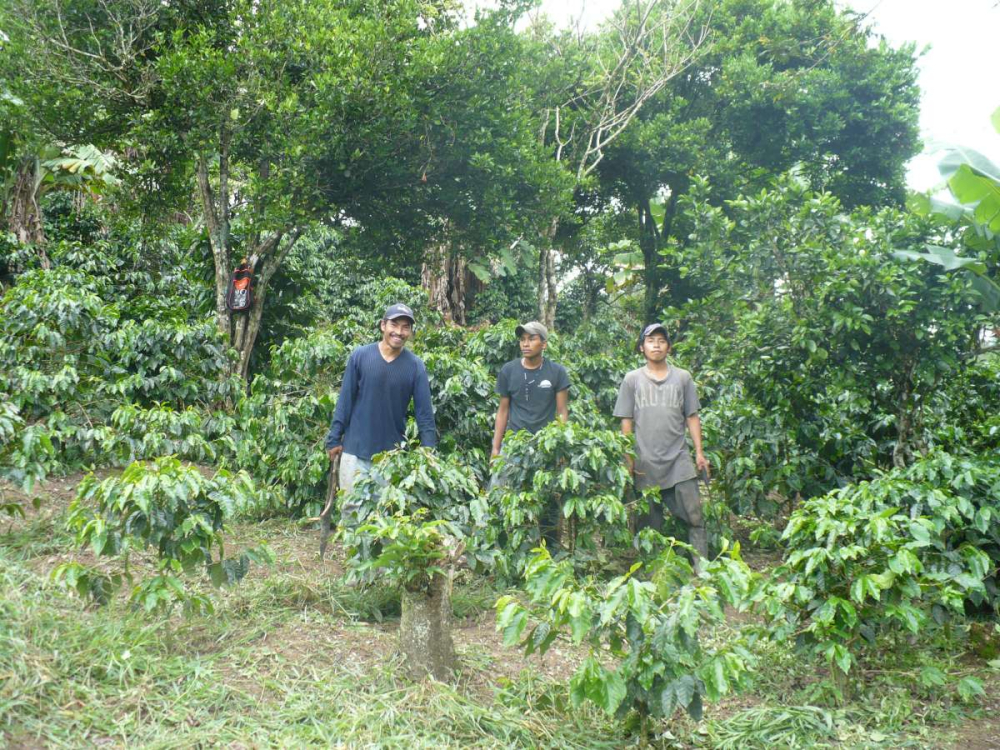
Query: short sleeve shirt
<point x="659" y="410"/>
<point x="532" y="393"/>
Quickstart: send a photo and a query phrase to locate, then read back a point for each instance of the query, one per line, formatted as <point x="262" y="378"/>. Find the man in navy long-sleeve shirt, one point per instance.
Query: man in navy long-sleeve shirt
<point x="379" y="383"/>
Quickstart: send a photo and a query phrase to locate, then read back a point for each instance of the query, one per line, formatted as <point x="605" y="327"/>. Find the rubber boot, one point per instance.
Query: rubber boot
<point x="698" y="538"/>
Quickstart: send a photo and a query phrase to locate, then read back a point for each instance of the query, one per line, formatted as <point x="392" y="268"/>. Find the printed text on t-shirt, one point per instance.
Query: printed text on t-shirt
<point x="664" y="395"/>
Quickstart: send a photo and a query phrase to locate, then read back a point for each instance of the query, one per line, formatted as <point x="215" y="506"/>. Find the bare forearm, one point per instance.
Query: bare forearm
<point x="501" y="427"/>
<point x="694" y="427"/>
<point x="562" y="406"/>
<point x="627" y="430"/>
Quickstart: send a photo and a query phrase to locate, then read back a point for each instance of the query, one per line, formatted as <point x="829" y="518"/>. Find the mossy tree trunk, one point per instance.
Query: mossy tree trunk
<point x="425" y="631"/>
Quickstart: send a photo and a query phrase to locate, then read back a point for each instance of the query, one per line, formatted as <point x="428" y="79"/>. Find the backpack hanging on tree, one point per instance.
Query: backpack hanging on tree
<point x="240" y="294"/>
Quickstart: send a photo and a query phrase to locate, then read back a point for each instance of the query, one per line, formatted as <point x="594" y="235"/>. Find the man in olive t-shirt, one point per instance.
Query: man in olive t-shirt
<point x="657" y="402"/>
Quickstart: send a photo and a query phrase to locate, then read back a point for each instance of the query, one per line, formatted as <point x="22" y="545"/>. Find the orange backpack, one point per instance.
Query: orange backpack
<point x="240" y="295"/>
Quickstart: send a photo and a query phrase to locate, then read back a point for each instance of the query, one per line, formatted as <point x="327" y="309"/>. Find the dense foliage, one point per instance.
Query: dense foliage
<point x="733" y="169"/>
<point x="655" y="626"/>
<point x="565" y="474"/>
<point x="415" y="510"/>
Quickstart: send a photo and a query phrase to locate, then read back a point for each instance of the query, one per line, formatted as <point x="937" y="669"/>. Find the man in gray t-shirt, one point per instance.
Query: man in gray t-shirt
<point x="657" y="402"/>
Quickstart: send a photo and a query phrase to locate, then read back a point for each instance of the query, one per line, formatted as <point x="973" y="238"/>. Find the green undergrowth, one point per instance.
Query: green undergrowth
<point x="269" y="669"/>
<point x="911" y="697"/>
<point x="294" y="657"/>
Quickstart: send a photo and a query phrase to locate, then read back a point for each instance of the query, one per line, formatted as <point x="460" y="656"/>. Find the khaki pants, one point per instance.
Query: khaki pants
<point x="350" y="468"/>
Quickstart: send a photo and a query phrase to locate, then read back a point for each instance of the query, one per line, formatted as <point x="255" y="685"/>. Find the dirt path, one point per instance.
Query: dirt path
<point x="983" y="733"/>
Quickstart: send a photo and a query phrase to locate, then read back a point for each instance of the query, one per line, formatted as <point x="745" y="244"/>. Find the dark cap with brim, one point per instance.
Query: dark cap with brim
<point x="399" y="310"/>
<point x="649" y="331"/>
<point x="534" y="328"/>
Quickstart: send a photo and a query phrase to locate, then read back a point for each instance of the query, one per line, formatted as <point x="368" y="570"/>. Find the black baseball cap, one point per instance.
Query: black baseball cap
<point x="399" y="310"/>
<point x="649" y="331"/>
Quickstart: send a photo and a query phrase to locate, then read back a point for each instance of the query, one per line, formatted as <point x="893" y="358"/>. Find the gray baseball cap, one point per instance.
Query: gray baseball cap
<point x="399" y="310"/>
<point x="534" y="328"/>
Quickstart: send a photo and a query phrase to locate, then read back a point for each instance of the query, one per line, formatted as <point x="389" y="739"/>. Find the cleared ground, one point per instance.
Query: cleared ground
<point x="293" y="657"/>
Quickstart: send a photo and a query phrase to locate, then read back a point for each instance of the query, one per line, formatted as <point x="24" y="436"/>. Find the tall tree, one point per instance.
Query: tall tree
<point x="591" y="87"/>
<point x="781" y="84"/>
<point x="275" y="115"/>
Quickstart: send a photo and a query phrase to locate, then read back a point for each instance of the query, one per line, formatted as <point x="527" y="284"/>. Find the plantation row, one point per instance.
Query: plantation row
<point x="97" y="371"/>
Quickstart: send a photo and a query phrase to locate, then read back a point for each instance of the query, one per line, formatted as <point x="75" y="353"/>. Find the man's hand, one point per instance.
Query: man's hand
<point x="494" y="453"/>
<point x="334" y="452"/>
<point x="702" y="463"/>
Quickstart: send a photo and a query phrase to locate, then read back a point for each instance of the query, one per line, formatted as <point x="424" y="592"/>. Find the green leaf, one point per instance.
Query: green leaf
<point x="598" y="685"/>
<point x="944" y="257"/>
<point x="685" y="688"/>
<point x="658" y="210"/>
<point x="668" y="700"/>
<point x="932" y="677"/>
<point x="694" y="708"/>
<point x="969" y="688"/>
<point x="959" y="156"/>
<point x="481" y="271"/>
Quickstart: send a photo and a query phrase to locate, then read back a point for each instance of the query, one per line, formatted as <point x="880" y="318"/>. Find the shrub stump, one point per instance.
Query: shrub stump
<point x="425" y="631"/>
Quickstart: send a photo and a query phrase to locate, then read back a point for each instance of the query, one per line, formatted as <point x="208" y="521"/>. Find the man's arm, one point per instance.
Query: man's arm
<point x="562" y="405"/>
<point x="694" y="427"/>
<point x="423" y="408"/>
<point x="625" y="411"/>
<point x="503" y="414"/>
<point x="342" y="414"/>
<point x="627" y="426"/>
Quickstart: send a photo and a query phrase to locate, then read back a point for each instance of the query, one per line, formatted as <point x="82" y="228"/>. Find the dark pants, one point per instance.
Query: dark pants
<point x="684" y="503"/>
<point x="548" y="525"/>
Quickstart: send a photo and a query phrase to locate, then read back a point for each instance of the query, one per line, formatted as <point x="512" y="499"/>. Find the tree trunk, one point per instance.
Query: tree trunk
<point x="842" y="683"/>
<point x="25" y="213"/>
<point x="547" y="292"/>
<point x="246" y="330"/>
<point x="443" y="275"/>
<point x="551" y="297"/>
<point x="240" y="329"/>
<point x="543" y="252"/>
<point x="218" y="237"/>
<point x="425" y="631"/>
<point x="901" y="452"/>
<point x="649" y="244"/>
<point x="264" y="263"/>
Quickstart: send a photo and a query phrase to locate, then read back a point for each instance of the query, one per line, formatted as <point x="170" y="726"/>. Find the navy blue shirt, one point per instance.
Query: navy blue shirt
<point x="371" y="412"/>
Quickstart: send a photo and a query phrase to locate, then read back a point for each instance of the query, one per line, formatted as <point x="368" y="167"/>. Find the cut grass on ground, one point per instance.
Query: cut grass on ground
<point x="292" y="657"/>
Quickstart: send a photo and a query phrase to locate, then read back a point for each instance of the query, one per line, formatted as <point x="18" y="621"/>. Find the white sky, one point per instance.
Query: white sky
<point x="958" y="75"/>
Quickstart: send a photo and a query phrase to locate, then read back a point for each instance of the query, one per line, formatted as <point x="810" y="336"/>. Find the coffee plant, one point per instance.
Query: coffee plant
<point x="416" y="511"/>
<point x="654" y="624"/>
<point x="27" y="455"/>
<point x="416" y="487"/>
<point x="78" y="369"/>
<point x="174" y="510"/>
<point x="887" y="558"/>
<point x="582" y="472"/>
<point x="464" y="405"/>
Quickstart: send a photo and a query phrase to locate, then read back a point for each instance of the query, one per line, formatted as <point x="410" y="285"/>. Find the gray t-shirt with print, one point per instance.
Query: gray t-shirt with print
<point x="532" y="393"/>
<point x="659" y="410"/>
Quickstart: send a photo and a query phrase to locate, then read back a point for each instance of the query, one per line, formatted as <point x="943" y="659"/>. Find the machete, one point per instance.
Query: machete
<point x="332" y="485"/>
